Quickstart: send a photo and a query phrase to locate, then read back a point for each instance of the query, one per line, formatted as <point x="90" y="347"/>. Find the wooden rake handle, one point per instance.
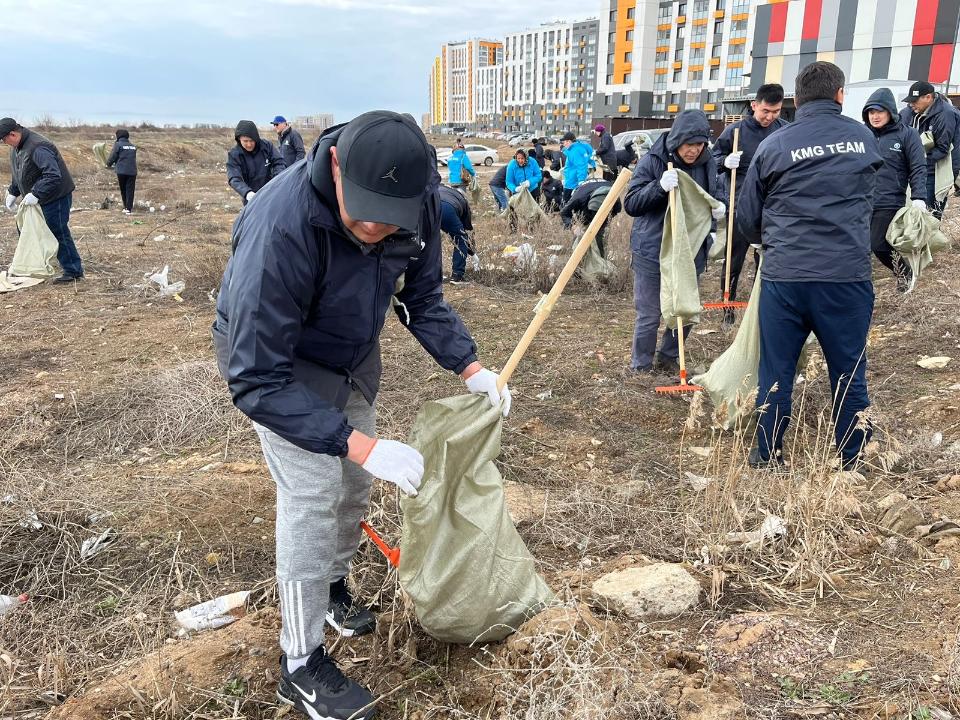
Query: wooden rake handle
<point x="545" y="306"/>
<point x="733" y="195"/>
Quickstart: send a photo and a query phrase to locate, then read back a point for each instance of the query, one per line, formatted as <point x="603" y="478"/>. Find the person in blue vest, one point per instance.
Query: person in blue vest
<point x="904" y="164"/>
<point x="808" y="198"/>
<point x="579" y="163"/>
<point x="524" y="173"/>
<point x="647" y="199"/>
<point x="458" y="164"/>
<point x="764" y="120"/>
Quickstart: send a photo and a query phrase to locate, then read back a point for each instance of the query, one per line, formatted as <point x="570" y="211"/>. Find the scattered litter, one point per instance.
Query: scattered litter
<point x="698" y="482"/>
<point x="30" y="521"/>
<point x="152" y="209"/>
<point x="705" y="331"/>
<point x="160" y="238"/>
<point x="214" y="613"/>
<point x="95" y="518"/>
<point x="93" y="546"/>
<point x="52" y="697"/>
<point x="936" y="440"/>
<point x="773" y="526"/>
<point x="9" y="602"/>
<point x="162" y="208"/>
<point x="258" y="520"/>
<point x="545" y="395"/>
<point x="703" y="452"/>
<point x="523" y="255"/>
<point x="166" y="287"/>
<point x="555" y="248"/>
<point x="934" y="363"/>
<point x="58" y="396"/>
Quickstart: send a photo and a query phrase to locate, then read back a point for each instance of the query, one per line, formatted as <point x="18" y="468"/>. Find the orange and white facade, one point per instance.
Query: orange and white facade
<point x="463" y="88"/>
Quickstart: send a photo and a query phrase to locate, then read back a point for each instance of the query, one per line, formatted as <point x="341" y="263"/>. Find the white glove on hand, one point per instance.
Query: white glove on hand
<point x="669" y="180"/>
<point x="11" y="201"/>
<point x="524" y="184"/>
<point x="718" y="212"/>
<point x="919" y="204"/>
<point x="484" y="382"/>
<point x="30" y="199"/>
<point x="732" y="161"/>
<point x="250" y="195"/>
<point x="397" y="463"/>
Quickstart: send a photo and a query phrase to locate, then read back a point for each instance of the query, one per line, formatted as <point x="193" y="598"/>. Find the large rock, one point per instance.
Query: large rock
<point x="649" y="592"/>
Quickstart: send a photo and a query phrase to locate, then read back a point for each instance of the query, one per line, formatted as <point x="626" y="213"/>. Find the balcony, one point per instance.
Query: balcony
<point x="623" y="108"/>
<point x="673" y="108"/>
<point x="709" y="107"/>
<point x="681" y="19"/>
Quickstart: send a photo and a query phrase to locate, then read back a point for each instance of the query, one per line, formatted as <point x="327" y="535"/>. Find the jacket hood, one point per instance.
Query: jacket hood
<point x="691" y="126"/>
<point x="123" y="134"/>
<point x="884" y="98"/>
<point x="246" y="128"/>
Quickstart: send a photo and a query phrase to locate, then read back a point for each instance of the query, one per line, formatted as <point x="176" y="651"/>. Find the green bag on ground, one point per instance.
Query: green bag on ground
<point x="915" y="234"/>
<point x="943" y="176"/>
<point x="37" y="247"/>
<point x="594" y="266"/>
<point x="679" y="293"/>
<point x="524" y="207"/>
<point x="101" y="153"/>
<point x="475" y="189"/>
<point x="462" y="562"/>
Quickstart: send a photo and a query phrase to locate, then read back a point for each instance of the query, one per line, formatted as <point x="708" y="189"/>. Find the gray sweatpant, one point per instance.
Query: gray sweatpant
<point x="321" y="500"/>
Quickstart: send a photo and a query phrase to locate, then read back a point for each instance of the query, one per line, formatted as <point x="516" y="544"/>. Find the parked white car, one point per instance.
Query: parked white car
<point x="478" y="154"/>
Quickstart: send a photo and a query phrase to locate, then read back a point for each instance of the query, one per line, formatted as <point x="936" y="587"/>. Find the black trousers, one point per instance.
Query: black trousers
<point x="882" y="217"/>
<point x="128" y="185"/>
<point x="739" y="255"/>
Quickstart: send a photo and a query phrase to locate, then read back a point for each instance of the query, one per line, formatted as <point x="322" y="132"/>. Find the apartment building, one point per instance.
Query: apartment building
<point x="659" y="57"/>
<point x="868" y="39"/>
<point x="462" y="86"/>
<point x="548" y="74"/>
<point x="317" y="123"/>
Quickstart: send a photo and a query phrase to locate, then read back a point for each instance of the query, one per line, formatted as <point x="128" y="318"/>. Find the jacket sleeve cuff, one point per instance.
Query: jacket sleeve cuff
<point x="465" y="363"/>
<point x="339" y="442"/>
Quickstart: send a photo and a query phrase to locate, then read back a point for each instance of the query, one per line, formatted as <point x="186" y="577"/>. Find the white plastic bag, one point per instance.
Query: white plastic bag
<point x="214" y="613"/>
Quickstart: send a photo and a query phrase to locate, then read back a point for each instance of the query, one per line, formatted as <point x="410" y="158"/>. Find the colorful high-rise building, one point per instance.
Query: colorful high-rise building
<point x="462" y="88"/>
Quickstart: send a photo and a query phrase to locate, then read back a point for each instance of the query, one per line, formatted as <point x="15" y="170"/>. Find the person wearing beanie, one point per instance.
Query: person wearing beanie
<point x="606" y="152"/>
<point x="41" y="177"/>
<point x="904" y="165"/>
<point x="253" y="162"/>
<point x="123" y="158"/>
<point x="318" y="257"/>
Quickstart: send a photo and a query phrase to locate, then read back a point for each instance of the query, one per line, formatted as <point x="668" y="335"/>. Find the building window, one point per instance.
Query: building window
<point x="680" y="31"/>
<point x="696" y="54"/>
<point x="678" y="55"/>
<point x="625" y="98"/>
<point x="676" y="75"/>
<point x="610" y="79"/>
<point x="628" y="56"/>
<point x="629" y="35"/>
<point x="674" y="98"/>
<point x="715" y="73"/>
<point x="681" y="9"/>
<point x="696" y="79"/>
<point x="631" y="13"/>
<point x="612" y="39"/>
<point x="718" y="27"/>
<point x="613" y="16"/>
<point x="711" y="97"/>
<point x="720" y="4"/>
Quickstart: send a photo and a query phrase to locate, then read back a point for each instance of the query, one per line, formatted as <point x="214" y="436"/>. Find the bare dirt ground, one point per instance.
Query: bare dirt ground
<point x="113" y="417"/>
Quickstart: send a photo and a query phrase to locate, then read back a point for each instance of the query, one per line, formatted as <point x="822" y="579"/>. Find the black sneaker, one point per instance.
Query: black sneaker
<point x="729" y="319"/>
<point x="66" y="279"/>
<point x="459" y="280"/>
<point x="776" y="462"/>
<point x="321" y="691"/>
<point x="343" y="617"/>
<point x="665" y="365"/>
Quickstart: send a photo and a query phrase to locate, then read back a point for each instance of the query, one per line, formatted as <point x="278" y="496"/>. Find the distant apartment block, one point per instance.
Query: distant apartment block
<point x="317" y="123"/>
<point x="548" y="76"/>
<point x="464" y="83"/>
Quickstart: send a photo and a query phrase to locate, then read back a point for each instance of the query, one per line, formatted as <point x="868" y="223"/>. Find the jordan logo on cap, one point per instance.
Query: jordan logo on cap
<point x="391" y="175"/>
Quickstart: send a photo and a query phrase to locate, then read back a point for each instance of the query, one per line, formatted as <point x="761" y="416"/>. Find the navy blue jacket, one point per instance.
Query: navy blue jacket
<point x="499" y="178"/>
<point x="123" y="157"/>
<point x="458" y="201"/>
<point x="579" y="202"/>
<point x="303" y="303"/>
<point x="752" y="134"/>
<point x="903" y="157"/>
<point x="39" y="168"/>
<point x="538" y="154"/>
<point x="248" y="171"/>
<point x="809" y="196"/>
<point x="646" y="200"/>
<point x="291" y="146"/>
<point x="941" y="119"/>
<point x="606" y="151"/>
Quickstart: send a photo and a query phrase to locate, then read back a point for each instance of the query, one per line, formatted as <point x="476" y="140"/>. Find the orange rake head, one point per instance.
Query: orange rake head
<point x="724" y="305"/>
<point x="683" y="387"/>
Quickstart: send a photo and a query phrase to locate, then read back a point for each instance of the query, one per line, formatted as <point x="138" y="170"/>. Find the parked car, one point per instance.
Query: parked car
<point x="520" y="139"/>
<point x="643" y="140"/>
<point x="478" y="154"/>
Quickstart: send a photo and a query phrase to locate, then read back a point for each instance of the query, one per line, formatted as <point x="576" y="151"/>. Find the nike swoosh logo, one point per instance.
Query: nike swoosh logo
<point x="309" y="697"/>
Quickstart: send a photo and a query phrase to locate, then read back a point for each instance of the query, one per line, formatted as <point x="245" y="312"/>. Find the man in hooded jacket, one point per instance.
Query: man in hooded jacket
<point x="123" y="157"/>
<point x="317" y="260"/>
<point x="253" y="162"/>
<point x="930" y="111"/>
<point x="579" y="162"/>
<point x="808" y="199"/>
<point x="606" y="152"/>
<point x="904" y="164"/>
<point x="647" y="199"/>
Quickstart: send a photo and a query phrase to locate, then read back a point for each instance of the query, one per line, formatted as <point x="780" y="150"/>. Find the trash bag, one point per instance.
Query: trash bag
<point x="37" y="248"/>
<point x="101" y="152"/>
<point x="474" y="189"/>
<point x="522" y="205"/>
<point x="915" y="234"/>
<point x="943" y="177"/>
<point x="462" y="562"/>
<point x="594" y="266"/>
<point x="679" y="293"/>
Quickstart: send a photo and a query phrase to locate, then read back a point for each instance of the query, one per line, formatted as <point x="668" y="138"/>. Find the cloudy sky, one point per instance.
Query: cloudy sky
<point x="189" y="61"/>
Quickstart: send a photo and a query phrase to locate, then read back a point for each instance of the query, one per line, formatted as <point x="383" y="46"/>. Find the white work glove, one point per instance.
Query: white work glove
<point x="397" y="463"/>
<point x="30" y="199"/>
<point x="11" y="201"/>
<point x="250" y="195"/>
<point x="919" y="204"/>
<point x="718" y="212"/>
<point x="484" y="382"/>
<point x="669" y="180"/>
<point x="732" y="161"/>
<point x="524" y="184"/>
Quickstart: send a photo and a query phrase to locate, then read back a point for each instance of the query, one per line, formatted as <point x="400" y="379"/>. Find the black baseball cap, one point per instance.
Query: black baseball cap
<point x="7" y="126"/>
<point x="918" y="90"/>
<point x="385" y="168"/>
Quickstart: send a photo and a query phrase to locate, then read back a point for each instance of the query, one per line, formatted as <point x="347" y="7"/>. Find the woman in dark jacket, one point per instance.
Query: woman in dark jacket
<point x="123" y="158"/>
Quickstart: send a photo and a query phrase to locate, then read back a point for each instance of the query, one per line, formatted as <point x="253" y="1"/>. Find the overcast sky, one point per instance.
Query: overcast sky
<point x="189" y="61"/>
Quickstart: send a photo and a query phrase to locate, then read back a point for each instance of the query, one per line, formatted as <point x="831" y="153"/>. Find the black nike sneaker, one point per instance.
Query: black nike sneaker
<point x="343" y="617"/>
<point x="322" y="692"/>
